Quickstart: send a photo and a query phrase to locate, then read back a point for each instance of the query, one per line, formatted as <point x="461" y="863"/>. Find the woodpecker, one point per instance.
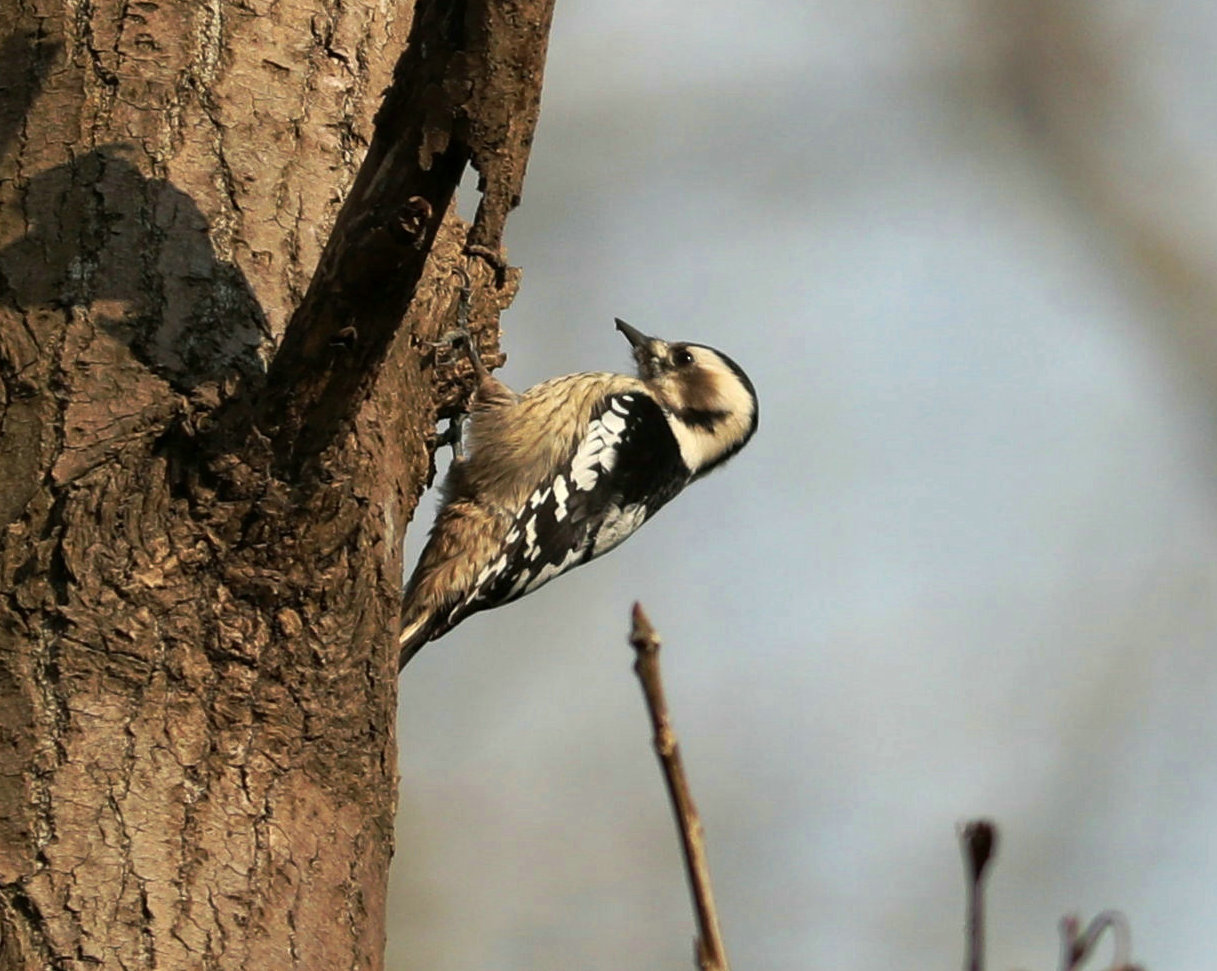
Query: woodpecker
<point x="566" y="471"/>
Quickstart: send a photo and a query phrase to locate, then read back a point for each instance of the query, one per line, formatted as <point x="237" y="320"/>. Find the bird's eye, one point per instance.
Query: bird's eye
<point x="682" y="357"/>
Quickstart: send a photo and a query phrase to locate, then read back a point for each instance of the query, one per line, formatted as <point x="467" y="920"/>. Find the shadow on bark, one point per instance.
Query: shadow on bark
<point x="136" y="253"/>
<point x="25" y="61"/>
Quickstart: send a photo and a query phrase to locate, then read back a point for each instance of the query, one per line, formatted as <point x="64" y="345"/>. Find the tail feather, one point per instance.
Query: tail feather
<point x="413" y="636"/>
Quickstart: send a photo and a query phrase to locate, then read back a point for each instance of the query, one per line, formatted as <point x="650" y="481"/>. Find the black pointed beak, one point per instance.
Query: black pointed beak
<point x="636" y="337"/>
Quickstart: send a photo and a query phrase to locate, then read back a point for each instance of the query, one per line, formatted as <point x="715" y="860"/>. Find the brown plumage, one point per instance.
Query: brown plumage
<point x="578" y="462"/>
<point x="483" y="493"/>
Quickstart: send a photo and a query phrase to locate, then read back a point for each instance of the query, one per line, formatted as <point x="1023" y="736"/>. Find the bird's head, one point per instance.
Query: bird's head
<point x="711" y="402"/>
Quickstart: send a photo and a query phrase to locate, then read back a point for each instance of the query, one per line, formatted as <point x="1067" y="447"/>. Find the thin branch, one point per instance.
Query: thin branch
<point x="711" y="955"/>
<point x="1077" y="945"/>
<point x="978" y="841"/>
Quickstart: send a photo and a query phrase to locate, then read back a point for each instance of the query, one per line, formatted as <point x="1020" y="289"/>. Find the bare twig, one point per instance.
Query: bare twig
<point x="711" y="955"/>
<point x="1077" y="945"/>
<point x="978" y="840"/>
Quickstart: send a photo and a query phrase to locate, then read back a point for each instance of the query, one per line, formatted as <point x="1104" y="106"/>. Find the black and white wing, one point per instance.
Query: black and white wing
<point x="623" y="470"/>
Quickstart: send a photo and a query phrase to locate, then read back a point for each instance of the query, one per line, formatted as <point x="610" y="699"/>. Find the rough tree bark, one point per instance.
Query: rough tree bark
<point x="207" y="461"/>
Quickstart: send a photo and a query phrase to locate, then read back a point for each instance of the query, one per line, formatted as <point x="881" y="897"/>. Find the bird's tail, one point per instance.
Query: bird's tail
<point x="416" y="632"/>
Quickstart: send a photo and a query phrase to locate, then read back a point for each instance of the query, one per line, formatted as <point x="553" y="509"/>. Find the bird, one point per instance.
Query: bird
<point x="552" y="478"/>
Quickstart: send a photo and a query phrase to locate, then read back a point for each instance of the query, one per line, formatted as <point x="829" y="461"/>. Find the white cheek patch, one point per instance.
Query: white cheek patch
<point x="700" y="446"/>
<point x="697" y="446"/>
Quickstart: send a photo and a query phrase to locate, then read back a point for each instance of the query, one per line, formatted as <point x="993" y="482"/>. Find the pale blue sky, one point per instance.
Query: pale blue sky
<point x="968" y="566"/>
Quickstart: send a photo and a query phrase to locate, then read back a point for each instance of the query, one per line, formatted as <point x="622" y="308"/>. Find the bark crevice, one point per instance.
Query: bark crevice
<point x="200" y="562"/>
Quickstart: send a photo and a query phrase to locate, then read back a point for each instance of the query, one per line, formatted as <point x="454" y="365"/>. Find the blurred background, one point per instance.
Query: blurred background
<point x="966" y="250"/>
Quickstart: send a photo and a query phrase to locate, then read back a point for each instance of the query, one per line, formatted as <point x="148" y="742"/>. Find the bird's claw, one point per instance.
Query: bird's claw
<point x="453" y="436"/>
<point x="452" y="339"/>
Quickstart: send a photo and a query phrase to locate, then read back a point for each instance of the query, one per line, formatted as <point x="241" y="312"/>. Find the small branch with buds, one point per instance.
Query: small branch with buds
<point x="978" y="840"/>
<point x="711" y="955"/>
<point x="1077" y="945"/>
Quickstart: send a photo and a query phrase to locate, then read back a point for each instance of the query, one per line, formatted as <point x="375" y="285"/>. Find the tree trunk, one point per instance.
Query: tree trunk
<point x="217" y="405"/>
